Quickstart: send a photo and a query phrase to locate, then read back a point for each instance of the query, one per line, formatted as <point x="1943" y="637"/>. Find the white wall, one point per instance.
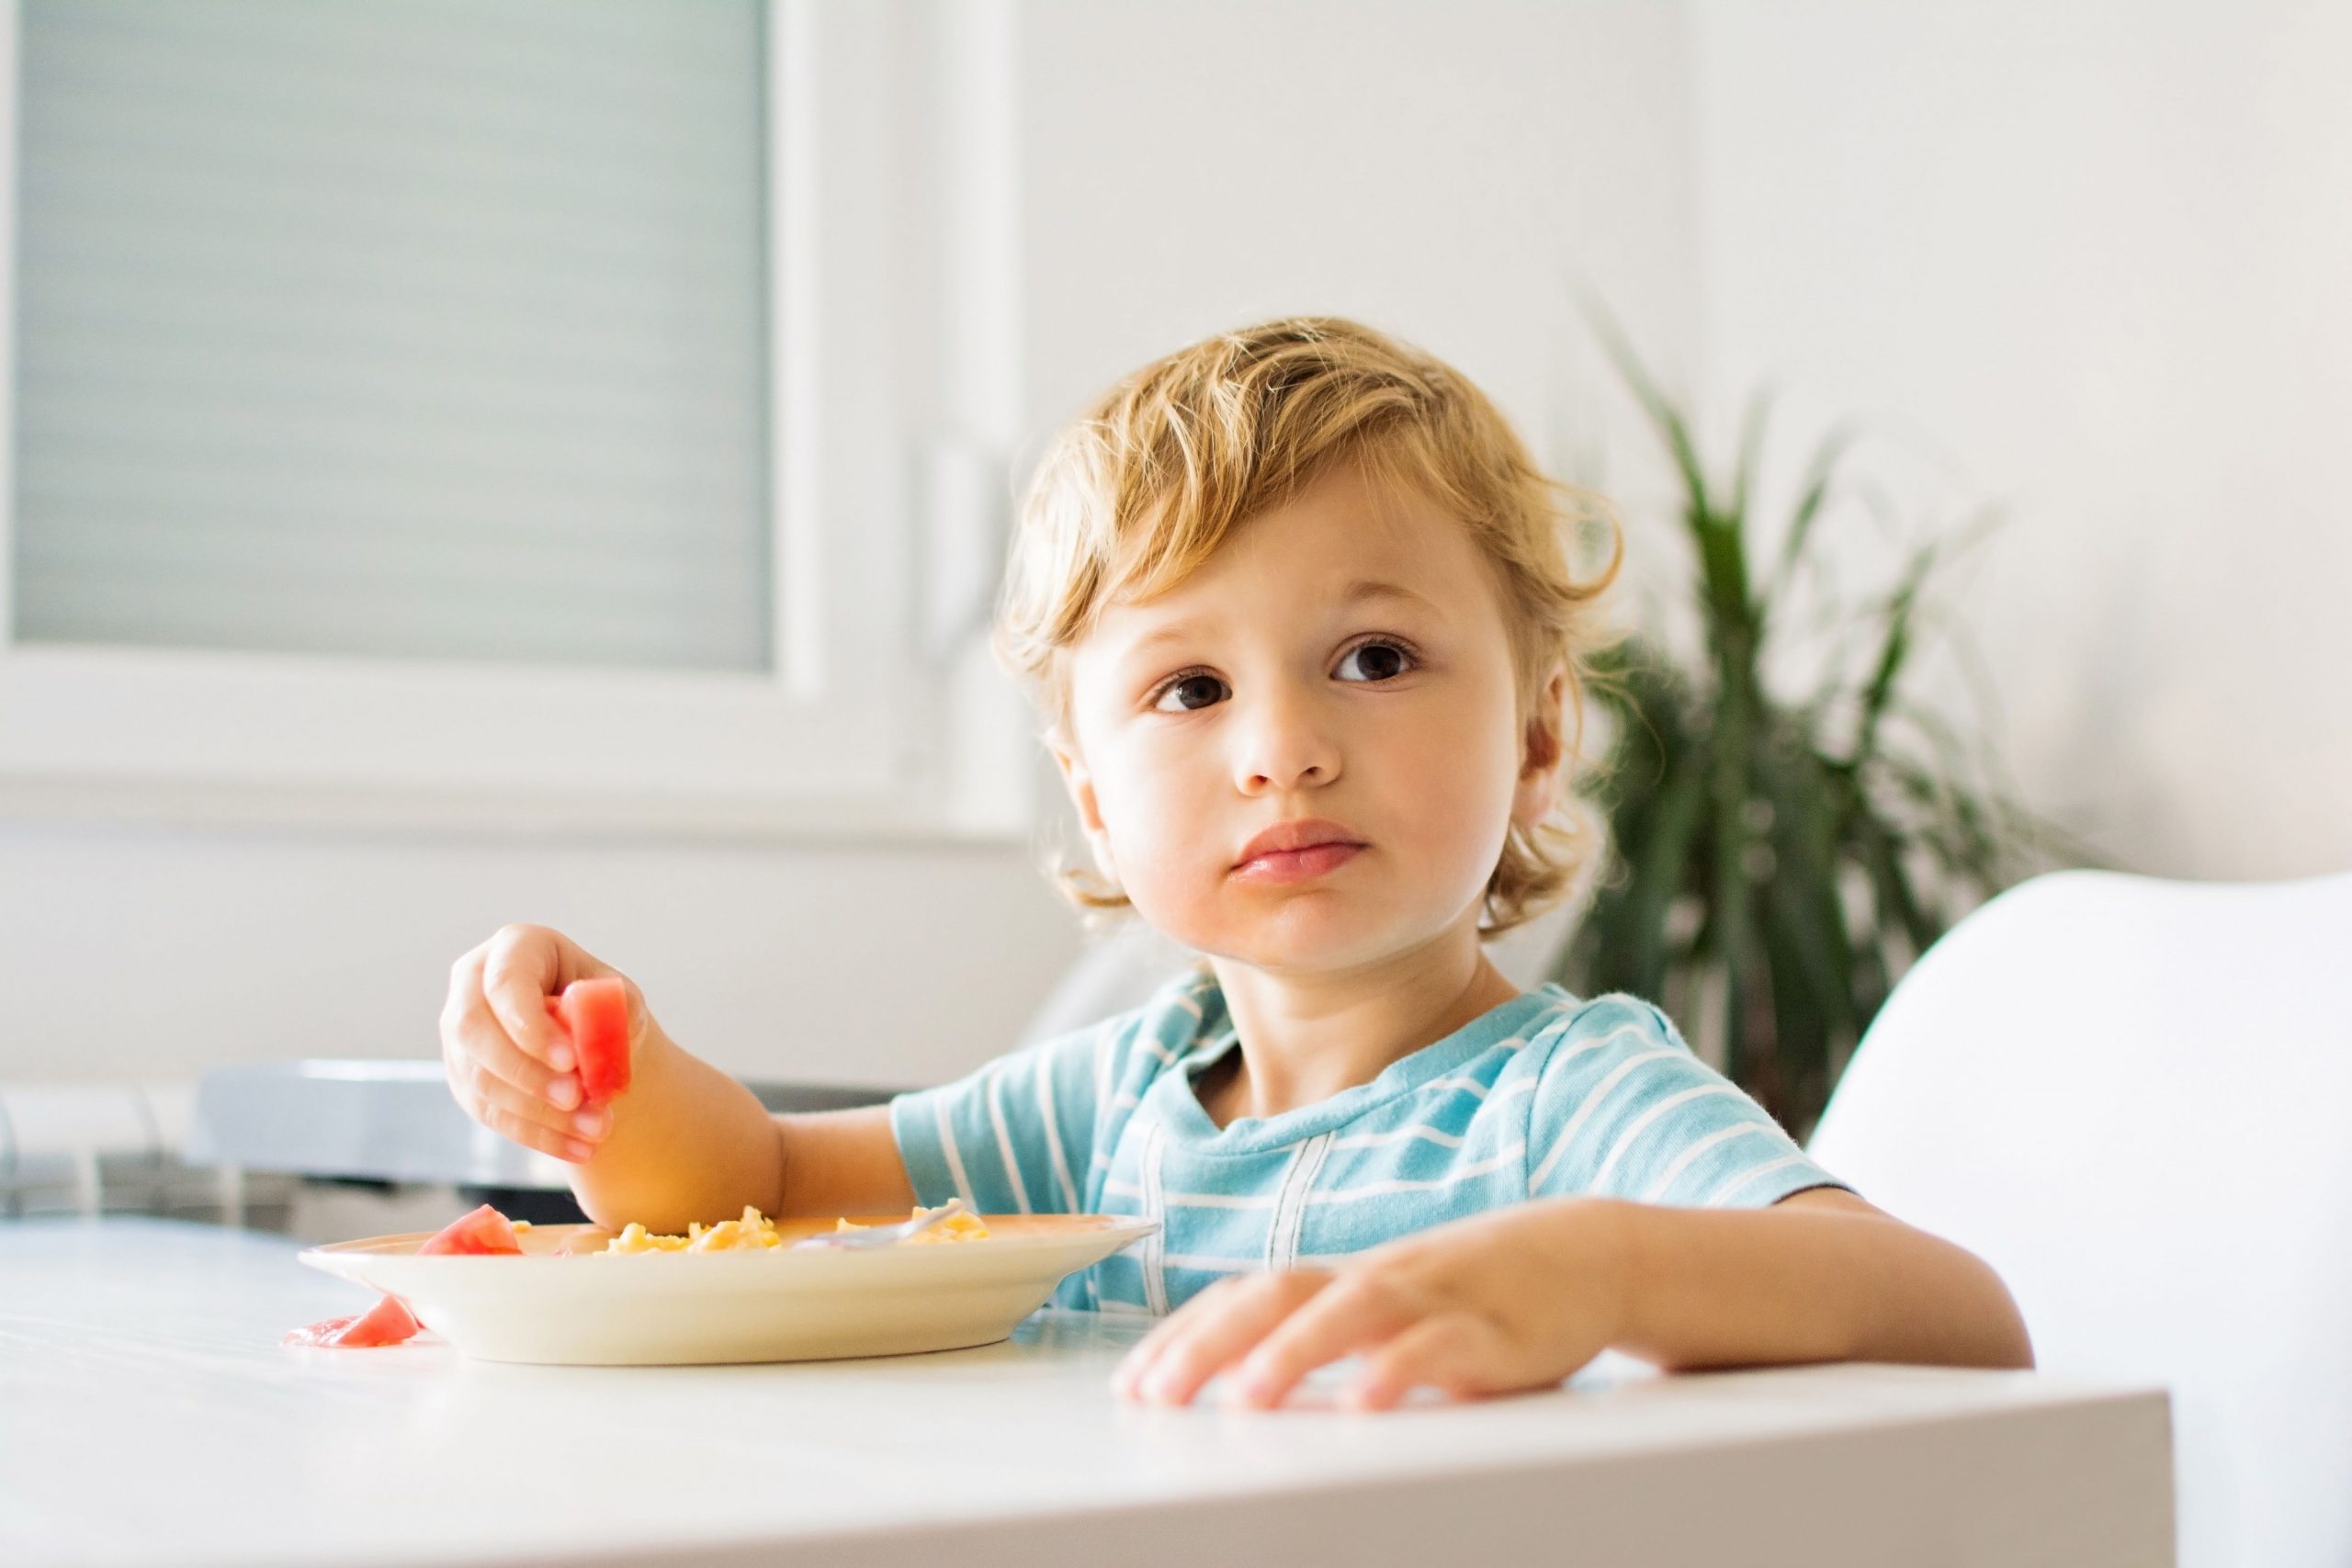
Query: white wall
<point x="1439" y="170"/>
<point x="2091" y="260"/>
<point x="2089" y="257"/>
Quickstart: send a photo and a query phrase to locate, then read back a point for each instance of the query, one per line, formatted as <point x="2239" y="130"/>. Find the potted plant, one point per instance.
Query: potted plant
<point x="1777" y="858"/>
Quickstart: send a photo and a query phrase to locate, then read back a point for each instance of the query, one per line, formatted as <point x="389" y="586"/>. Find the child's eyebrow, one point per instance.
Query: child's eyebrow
<point x="1354" y="594"/>
<point x="1370" y="588"/>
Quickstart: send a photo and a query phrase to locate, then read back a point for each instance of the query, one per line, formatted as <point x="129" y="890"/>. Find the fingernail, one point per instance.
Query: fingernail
<point x="590" y="1121"/>
<point x="560" y="1058"/>
<point x="579" y="1152"/>
<point x="564" y="1093"/>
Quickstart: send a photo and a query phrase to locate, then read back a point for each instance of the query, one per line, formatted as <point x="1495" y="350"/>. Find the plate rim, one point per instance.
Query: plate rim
<point x="1137" y="1227"/>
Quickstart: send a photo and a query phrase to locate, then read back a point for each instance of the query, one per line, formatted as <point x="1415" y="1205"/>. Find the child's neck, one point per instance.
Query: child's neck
<point x="1304" y="1039"/>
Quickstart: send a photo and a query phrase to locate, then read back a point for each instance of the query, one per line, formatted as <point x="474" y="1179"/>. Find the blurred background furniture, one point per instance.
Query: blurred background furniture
<point x="2129" y="1097"/>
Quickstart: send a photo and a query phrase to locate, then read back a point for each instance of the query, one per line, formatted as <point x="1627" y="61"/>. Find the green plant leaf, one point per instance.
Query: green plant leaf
<point x="1820" y="474"/>
<point x="1751" y="452"/>
<point x="1662" y="413"/>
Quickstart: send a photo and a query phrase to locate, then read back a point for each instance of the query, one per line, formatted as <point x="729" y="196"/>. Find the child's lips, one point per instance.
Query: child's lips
<point x="1297" y="865"/>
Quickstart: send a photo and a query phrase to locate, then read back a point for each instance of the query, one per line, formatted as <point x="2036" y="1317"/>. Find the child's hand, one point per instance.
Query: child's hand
<point x="1519" y="1298"/>
<point x="510" y="1066"/>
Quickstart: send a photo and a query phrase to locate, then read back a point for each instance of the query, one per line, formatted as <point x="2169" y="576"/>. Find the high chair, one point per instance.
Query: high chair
<point x="2133" y="1097"/>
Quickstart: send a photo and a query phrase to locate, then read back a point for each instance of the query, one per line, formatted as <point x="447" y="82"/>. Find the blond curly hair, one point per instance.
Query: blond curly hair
<point x="1134" y="495"/>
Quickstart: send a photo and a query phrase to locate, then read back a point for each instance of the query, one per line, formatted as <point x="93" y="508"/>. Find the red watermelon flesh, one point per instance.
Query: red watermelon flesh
<point x="484" y="1231"/>
<point x="387" y="1322"/>
<point x="595" y="1014"/>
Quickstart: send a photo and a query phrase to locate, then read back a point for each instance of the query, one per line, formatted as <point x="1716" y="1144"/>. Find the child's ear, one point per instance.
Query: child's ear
<point x="1080" y="780"/>
<point x="1540" y="749"/>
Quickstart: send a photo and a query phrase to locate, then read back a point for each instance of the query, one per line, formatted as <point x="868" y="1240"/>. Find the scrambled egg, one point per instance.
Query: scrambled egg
<point x="964" y="1226"/>
<point x="755" y="1231"/>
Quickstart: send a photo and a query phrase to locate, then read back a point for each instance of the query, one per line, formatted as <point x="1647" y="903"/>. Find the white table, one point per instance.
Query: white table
<point x="148" y="1415"/>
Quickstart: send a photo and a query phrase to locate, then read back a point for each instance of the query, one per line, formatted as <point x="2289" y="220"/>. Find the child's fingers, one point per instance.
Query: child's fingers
<point x="522" y="966"/>
<point x="516" y="1127"/>
<point x="503" y="1089"/>
<point x="480" y="1045"/>
<point x="1358" y="1311"/>
<point x="533" y="1122"/>
<point x="471" y="1033"/>
<point x="1453" y="1351"/>
<point x="1215" y="1326"/>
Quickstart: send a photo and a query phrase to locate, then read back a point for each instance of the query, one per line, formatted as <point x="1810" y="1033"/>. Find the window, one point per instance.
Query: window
<point x="486" y="412"/>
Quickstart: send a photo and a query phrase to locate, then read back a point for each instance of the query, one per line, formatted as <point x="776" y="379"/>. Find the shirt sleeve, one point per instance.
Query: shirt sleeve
<point x="1017" y="1136"/>
<point x="1624" y="1109"/>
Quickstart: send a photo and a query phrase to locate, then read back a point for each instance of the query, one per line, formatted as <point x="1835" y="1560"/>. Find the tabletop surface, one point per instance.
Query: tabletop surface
<point x="139" y="1362"/>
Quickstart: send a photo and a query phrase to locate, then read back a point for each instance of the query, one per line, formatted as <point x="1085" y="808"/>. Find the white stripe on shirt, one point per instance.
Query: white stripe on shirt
<point x="1417" y="1129"/>
<point x="1060" y="1161"/>
<point x="1635" y="1128"/>
<point x="1745" y="1177"/>
<point x="1208" y="1265"/>
<point x="954" y="1155"/>
<point x="1004" y="1142"/>
<point x="1196" y="1200"/>
<point x="1566" y="1140"/>
<point x="1665" y="1183"/>
<point x="1295" y="1194"/>
<point x="1154" y="1280"/>
<point x="1459" y="1173"/>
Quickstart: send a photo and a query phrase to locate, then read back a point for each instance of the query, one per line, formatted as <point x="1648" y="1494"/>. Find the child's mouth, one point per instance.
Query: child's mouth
<point x="1296" y="865"/>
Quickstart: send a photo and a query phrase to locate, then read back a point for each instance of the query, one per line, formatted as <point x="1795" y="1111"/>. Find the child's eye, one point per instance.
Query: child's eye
<point x="1194" y="681"/>
<point x="1379" y="661"/>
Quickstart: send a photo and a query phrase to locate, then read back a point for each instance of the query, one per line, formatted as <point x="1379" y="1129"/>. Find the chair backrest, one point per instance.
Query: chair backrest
<point x="2133" y="1098"/>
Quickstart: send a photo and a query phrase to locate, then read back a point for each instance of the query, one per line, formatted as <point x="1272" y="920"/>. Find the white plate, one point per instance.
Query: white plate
<point x="770" y="1305"/>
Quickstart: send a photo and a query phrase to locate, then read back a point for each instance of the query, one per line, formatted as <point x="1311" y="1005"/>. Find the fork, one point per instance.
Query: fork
<point x="879" y="1236"/>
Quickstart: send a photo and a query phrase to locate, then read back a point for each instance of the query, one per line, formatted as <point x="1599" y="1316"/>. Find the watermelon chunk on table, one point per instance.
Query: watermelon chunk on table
<point x="387" y="1322"/>
<point x="594" y="1015"/>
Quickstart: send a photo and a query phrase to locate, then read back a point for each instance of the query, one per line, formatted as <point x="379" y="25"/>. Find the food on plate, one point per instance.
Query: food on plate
<point x="595" y="1014"/>
<point x="751" y="1232"/>
<point x="963" y="1226"/>
<point x="387" y="1322"/>
<point x="482" y="1231"/>
<point x="755" y="1231"/>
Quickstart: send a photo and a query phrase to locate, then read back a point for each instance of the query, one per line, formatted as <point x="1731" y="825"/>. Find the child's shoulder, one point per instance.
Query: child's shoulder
<point x="1181" y="1014"/>
<point x="1614" y="1023"/>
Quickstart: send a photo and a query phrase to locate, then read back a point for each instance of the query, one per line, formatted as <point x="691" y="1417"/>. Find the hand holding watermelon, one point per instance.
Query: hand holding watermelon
<point x="540" y="1038"/>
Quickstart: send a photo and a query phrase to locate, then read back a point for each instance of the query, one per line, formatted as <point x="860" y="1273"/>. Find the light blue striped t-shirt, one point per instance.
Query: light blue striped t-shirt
<point x="1544" y="1096"/>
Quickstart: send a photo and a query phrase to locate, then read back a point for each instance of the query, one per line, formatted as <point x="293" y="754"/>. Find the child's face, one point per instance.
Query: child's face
<point x="1264" y="691"/>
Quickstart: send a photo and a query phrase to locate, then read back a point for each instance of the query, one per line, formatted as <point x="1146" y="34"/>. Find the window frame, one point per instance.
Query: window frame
<point x="848" y="730"/>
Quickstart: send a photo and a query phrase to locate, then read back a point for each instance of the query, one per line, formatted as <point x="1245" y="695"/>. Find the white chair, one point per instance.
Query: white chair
<point x="2133" y="1098"/>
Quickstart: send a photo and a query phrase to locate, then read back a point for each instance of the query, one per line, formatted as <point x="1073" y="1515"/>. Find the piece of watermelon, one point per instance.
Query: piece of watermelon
<point x="387" y="1322"/>
<point x="595" y="1014"/>
<point x="483" y="1231"/>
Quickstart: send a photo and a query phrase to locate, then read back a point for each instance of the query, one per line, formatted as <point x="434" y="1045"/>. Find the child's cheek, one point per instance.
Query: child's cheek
<point x="1169" y="843"/>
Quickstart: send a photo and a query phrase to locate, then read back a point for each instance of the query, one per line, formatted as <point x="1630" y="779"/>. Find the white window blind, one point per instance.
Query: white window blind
<point x="415" y="330"/>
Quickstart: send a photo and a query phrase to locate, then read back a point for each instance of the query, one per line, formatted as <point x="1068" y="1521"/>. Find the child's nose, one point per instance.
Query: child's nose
<point x="1283" y="744"/>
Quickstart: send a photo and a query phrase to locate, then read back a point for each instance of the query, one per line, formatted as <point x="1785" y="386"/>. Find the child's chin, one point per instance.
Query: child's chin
<point x="1314" y="947"/>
